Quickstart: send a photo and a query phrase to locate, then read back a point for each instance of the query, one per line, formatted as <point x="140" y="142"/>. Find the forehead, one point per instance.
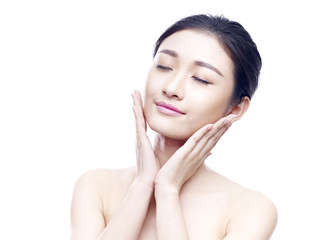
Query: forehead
<point x="192" y="45"/>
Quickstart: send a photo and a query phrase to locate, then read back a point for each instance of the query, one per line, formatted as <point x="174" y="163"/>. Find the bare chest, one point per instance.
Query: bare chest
<point x="205" y="218"/>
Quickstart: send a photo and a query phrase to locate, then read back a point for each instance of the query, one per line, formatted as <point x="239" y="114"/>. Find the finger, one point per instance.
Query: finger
<point x="214" y="136"/>
<point x="141" y="107"/>
<point x="197" y="136"/>
<point x="136" y="101"/>
<point x="209" y="140"/>
<point x="139" y="98"/>
<point x="211" y="143"/>
<point x="225" y="120"/>
<point x="188" y="153"/>
<point x="190" y="144"/>
<point x="140" y="126"/>
<point x="199" y="140"/>
<point x="200" y="137"/>
<point x="139" y="104"/>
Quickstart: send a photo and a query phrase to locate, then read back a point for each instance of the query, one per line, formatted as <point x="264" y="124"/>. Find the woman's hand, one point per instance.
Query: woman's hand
<point x="147" y="163"/>
<point x="187" y="159"/>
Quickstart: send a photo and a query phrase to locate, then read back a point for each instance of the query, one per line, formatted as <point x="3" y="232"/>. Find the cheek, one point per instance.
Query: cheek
<point x="153" y="85"/>
<point x="207" y="113"/>
<point x="209" y="107"/>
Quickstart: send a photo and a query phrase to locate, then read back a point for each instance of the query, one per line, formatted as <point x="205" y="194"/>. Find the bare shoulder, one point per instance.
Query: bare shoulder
<point x="99" y="187"/>
<point x="242" y="198"/>
<point x="102" y="179"/>
<point x="252" y="216"/>
<point x="92" y="200"/>
<point x="255" y="203"/>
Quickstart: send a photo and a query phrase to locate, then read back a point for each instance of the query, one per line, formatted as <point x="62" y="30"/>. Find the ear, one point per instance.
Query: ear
<point x="240" y="109"/>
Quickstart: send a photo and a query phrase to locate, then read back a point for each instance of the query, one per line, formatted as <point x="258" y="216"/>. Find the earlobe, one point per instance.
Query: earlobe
<point x="240" y="109"/>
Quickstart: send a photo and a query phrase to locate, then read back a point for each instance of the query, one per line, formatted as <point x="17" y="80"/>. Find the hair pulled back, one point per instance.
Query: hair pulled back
<point x="236" y="41"/>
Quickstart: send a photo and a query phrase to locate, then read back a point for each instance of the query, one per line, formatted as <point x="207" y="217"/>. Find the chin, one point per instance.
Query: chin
<point x="172" y="127"/>
<point x="171" y="131"/>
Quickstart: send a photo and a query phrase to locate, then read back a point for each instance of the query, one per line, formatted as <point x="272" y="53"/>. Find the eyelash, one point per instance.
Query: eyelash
<point x="163" y="68"/>
<point x="201" y="81"/>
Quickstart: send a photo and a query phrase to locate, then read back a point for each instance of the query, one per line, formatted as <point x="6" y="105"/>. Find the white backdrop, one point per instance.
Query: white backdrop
<point x="67" y="69"/>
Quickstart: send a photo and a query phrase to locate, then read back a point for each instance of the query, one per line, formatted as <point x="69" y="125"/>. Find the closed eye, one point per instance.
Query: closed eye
<point x="201" y="80"/>
<point x="163" y="67"/>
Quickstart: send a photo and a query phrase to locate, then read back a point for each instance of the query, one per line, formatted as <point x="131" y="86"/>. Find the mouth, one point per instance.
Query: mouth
<point x="169" y="109"/>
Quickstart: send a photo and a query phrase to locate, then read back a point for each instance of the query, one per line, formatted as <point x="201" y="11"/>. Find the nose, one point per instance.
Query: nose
<point x="174" y="88"/>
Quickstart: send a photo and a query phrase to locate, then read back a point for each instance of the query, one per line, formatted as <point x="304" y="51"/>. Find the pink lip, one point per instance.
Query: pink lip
<point x="169" y="109"/>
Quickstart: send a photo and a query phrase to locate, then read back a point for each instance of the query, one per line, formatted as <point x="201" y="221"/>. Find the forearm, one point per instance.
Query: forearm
<point x="170" y="220"/>
<point x="127" y="222"/>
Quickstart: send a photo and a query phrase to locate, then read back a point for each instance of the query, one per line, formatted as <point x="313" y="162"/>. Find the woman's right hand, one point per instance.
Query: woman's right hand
<point x="147" y="163"/>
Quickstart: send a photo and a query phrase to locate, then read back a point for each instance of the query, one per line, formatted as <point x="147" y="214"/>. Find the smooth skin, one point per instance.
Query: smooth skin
<point x="171" y="193"/>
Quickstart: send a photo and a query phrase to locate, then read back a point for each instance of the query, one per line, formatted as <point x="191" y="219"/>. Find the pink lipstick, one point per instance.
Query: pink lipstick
<point x="169" y="109"/>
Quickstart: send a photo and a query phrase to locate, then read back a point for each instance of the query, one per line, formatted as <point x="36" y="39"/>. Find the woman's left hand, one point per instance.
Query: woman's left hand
<point x="187" y="159"/>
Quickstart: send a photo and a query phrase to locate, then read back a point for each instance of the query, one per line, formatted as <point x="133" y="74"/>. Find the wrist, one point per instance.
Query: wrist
<point x="143" y="183"/>
<point x="162" y="183"/>
<point x="165" y="189"/>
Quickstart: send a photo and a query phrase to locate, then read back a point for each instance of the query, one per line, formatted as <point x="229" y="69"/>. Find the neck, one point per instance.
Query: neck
<point x="165" y="147"/>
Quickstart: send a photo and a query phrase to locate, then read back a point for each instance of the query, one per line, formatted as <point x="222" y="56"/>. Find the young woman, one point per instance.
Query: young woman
<point x="204" y="73"/>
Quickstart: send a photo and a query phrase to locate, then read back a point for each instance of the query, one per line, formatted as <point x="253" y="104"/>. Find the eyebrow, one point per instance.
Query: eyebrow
<point x="209" y="66"/>
<point x="169" y="52"/>
<point x="198" y="63"/>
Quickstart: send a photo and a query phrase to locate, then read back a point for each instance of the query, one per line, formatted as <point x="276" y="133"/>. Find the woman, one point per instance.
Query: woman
<point x="204" y="73"/>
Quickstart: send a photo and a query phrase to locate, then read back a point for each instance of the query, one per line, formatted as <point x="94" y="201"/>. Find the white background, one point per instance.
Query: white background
<point x="67" y="69"/>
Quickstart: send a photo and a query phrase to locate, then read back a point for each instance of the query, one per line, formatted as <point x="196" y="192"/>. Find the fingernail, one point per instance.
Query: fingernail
<point x="226" y="120"/>
<point x="229" y="119"/>
<point x="233" y="117"/>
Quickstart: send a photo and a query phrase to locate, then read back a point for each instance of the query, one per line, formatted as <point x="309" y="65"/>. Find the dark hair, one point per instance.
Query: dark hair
<point x="237" y="43"/>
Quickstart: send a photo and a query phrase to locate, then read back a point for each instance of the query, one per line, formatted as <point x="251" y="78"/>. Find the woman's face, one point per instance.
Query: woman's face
<point x="189" y="85"/>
